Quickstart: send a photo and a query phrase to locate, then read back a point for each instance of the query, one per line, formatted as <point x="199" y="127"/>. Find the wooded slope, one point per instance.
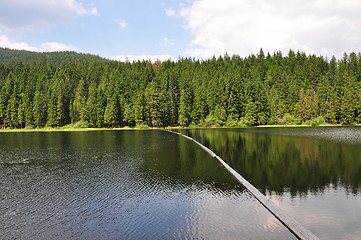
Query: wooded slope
<point x="55" y="89"/>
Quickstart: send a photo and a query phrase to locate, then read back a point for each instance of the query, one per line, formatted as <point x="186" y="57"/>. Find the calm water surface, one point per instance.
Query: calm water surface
<point x="314" y="174"/>
<point x="129" y="185"/>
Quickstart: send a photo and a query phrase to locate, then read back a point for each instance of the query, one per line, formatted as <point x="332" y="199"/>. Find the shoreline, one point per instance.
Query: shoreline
<point x="19" y="130"/>
<point x="47" y="129"/>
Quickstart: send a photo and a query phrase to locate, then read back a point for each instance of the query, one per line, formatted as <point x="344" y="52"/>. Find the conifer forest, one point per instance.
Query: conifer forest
<point x="57" y="89"/>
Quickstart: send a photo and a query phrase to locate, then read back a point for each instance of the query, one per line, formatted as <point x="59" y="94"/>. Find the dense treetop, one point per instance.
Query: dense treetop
<point x="55" y="89"/>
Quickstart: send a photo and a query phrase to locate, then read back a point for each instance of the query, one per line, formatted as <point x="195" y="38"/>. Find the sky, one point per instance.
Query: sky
<point x="163" y="29"/>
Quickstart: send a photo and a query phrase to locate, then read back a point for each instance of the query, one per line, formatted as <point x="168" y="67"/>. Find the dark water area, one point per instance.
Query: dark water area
<point x="122" y="185"/>
<point x="314" y="174"/>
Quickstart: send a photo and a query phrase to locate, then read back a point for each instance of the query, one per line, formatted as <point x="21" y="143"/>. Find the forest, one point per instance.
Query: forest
<point x="61" y="88"/>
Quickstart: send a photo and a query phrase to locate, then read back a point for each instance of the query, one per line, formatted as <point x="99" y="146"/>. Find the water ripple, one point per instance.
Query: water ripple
<point x="96" y="191"/>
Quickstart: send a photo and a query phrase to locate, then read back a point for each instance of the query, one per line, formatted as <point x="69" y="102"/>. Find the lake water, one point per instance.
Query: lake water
<point x="148" y="185"/>
<point x="314" y="174"/>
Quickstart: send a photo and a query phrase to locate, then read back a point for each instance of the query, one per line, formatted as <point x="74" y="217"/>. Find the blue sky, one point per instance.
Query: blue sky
<point x="171" y="28"/>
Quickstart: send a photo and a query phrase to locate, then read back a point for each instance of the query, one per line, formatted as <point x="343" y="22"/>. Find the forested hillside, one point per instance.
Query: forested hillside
<point x="227" y="91"/>
<point x="9" y="56"/>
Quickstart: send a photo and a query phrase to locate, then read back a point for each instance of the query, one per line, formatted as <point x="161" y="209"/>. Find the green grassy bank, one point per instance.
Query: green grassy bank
<point x="74" y="129"/>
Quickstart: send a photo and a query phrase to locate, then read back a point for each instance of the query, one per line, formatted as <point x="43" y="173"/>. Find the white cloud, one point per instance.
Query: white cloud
<point x="6" y="43"/>
<point x="170" y="12"/>
<point x="327" y="27"/>
<point x="152" y="58"/>
<point x="122" y="24"/>
<point x="45" y="47"/>
<point x="166" y="42"/>
<point x="32" y="14"/>
<point x="56" y="47"/>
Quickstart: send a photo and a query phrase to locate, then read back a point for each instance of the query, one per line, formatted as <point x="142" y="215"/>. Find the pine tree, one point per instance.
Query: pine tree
<point x="60" y="108"/>
<point x="138" y="108"/>
<point x="128" y="115"/>
<point x="111" y="111"/>
<point x="306" y="106"/>
<point x="348" y="99"/>
<point x="3" y="106"/>
<point x="79" y="104"/>
<point x="251" y="112"/>
<point x="22" y="110"/>
<point x="153" y="104"/>
<point x="52" y="108"/>
<point x="100" y="107"/>
<point x="91" y="106"/>
<point x="39" y="109"/>
<point x="199" y="111"/>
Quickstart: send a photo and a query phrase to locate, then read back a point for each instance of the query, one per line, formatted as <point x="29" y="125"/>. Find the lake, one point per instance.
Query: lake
<point x="137" y="185"/>
<point x="314" y="174"/>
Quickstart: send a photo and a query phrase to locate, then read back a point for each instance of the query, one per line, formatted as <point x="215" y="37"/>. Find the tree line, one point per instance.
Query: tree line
<point x="225" y="91"/>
